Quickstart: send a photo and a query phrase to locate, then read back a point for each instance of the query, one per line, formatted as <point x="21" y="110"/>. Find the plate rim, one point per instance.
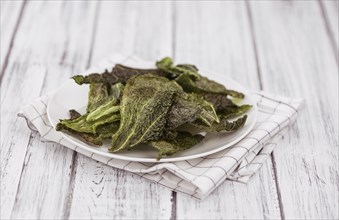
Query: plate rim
<point x="94" y="150"/>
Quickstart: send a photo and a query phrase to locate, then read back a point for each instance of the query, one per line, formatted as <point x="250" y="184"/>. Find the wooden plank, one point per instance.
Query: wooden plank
<point x="10" y="17"/>
<point x="15" y="135"/>
<point x="49" y="46"/>
<point x="232" y="200"/>
<point x="216" y="36"/>
<point x="100" y="191"/>
<point x="296" y="59"/>
<point x="330" y="11"/>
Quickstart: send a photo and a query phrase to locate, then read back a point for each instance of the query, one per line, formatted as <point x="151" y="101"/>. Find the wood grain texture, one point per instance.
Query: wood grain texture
<point x="330" y="10"/>
<point x="216" y="36"/>
<point x="284" y="47"/>
<point x="10" y="18"/>
<point x="46" y="51"/>
<point x="100" y="191"/>
<point x="296" y="59"/>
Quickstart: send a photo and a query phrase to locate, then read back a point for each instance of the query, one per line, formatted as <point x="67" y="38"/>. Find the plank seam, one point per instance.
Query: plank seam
<point x="174" y="206"/>
<point x="174" y="20"/>
<point x="69" y="196"/>
<point x="11" y="43"/>
<point x="95" y="27"/>
<point x="255" y="48"/>
<point x="70" y="190"/>
<point x="174" y="33"/>
<point x="30" y="140"/>
<point x="275" y="173"/>
<point x="254" y="43"/>
<point x="329" y="31"/>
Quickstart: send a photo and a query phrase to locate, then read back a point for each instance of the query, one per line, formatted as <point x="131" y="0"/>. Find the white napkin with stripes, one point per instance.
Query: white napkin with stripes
<point x="197" y="177"/>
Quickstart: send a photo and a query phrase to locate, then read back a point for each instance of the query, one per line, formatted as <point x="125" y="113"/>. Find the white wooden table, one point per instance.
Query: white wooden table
<point x="288" y="48"/>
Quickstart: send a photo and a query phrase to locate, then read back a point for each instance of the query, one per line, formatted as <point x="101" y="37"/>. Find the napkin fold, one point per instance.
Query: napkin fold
<point x="197" y="177"/>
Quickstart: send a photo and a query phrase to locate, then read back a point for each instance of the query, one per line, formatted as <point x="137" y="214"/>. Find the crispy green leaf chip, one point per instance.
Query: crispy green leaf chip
<point x="107" y="130"/>
<point x="116" y="90"/>
<point x="166" y="65"/>
<point x="233" y="111"/>
<point x="114" y="97"/>
<point x="106" y="113"/>
<point x="144" y="106"/>
<point x="182" y="111"/>
<point x="97" y="92"/>
<point x="187" y="108"/>
<point x="208" y="114"/>
<point x="224" y="125"/>
<point x="103" y="111"/>
<point x="81" y="124"/>
<point x="203" y="85"/>
<point x="119" y="73"/>
<point x="88" y="137"/>
<point x="181" y="142"/>
<point x="219" y="101"/>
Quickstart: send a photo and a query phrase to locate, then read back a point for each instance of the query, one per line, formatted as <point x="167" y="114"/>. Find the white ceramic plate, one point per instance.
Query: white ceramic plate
<point x="73" y="96"/>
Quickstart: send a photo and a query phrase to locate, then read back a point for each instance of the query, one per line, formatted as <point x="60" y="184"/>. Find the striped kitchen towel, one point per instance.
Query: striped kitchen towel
<point x="197" y="177"/>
